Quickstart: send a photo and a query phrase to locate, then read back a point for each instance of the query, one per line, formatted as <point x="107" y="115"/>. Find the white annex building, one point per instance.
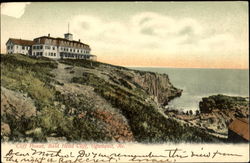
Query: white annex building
<point x="51" y="47"/>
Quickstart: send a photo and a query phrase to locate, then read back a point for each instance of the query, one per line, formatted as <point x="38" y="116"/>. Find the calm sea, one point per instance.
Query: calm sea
<point x="198" y="83"/>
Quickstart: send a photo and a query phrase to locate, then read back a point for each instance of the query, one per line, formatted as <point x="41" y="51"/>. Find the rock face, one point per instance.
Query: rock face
<point x="5" y="131"/>
<point x="15" y="107"/>
<point x="158" y="85"/>
<point x="16" y="104"/>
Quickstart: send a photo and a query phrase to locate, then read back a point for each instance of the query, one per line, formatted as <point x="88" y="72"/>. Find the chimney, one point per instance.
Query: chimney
<point x="49" y="35"/>
<point x="79" y="40"/>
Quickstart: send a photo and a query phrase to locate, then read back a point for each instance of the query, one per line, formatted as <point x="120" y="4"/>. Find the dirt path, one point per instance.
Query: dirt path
<point x="116" y="123"/>
<point x="63" y="75"/>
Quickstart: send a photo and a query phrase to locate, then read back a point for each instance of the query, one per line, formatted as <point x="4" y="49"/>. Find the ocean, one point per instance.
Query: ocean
<point x="198" y="83"/>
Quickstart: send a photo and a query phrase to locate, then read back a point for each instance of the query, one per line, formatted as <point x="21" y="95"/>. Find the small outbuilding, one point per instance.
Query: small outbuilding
<point x="238" y="130"/>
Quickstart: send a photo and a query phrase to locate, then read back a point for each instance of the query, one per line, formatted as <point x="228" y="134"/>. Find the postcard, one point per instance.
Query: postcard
<point x="124" y="82"/>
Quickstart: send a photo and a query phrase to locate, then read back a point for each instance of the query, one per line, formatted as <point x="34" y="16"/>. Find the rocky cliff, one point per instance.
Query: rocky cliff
<point x="81" y="100"/>
<point x="158" y="85"/>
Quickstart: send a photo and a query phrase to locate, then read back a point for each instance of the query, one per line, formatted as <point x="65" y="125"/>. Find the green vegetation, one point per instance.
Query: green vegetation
<point x="147" y="124"/>
<point x="82" y="63"/>
<point x="29" y="75"/>
<point x="32" y="76"/>
<point x="73" y="117"/>
<point x="94" y="64"/>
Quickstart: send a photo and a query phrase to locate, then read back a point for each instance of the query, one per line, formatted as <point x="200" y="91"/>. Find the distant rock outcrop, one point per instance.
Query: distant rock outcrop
<point x="226" y="104"/>
<point x="218" y="111"/>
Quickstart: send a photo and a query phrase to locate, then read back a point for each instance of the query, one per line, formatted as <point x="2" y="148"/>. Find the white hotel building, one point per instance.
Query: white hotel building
<point x="51" y="47"/>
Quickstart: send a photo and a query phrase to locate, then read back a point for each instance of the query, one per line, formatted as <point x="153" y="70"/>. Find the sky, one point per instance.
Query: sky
<point x="147" y="34"/>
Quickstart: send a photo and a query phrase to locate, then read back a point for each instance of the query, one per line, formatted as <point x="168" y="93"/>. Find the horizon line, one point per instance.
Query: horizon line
<point x="186" y="67"/>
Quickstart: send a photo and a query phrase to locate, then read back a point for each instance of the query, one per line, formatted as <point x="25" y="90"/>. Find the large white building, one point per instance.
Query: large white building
<point x="51" y="47"/>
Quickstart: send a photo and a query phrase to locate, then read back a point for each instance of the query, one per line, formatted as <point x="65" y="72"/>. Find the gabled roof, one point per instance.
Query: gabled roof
<point x="241" y="127"/>
<point x="21" y="42"/>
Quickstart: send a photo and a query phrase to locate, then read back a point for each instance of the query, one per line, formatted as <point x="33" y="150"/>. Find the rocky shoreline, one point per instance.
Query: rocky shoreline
<point x="216" y="113"/>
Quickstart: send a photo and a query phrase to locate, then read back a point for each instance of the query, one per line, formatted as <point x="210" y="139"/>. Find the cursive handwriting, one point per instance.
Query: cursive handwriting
<point x="81" y="156"/>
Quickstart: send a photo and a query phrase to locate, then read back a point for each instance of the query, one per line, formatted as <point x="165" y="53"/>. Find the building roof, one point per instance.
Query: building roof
<point x="241" y="127"/>
<point x="58" y="41"/>
<point x="21" y="42"/>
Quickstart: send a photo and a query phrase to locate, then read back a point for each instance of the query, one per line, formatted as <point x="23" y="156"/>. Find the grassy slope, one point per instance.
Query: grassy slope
<point x="147" y="124"/>
<point x="32" y="76"/>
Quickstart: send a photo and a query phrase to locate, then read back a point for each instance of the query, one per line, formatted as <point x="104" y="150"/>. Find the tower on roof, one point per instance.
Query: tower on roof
<point x="68" y="35"/>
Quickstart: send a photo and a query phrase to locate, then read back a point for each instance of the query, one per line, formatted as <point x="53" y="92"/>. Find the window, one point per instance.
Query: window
<point x="53" y="48"/>
<point x="41" y="47"/>
<point x="9" y="47"/>
<point x="23" y="47"/>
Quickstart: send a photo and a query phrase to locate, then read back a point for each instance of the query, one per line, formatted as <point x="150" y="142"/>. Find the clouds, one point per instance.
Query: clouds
<point x="152" y="33"/>
<point x="163" y="26"/>
<point x="15" y="10"/>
